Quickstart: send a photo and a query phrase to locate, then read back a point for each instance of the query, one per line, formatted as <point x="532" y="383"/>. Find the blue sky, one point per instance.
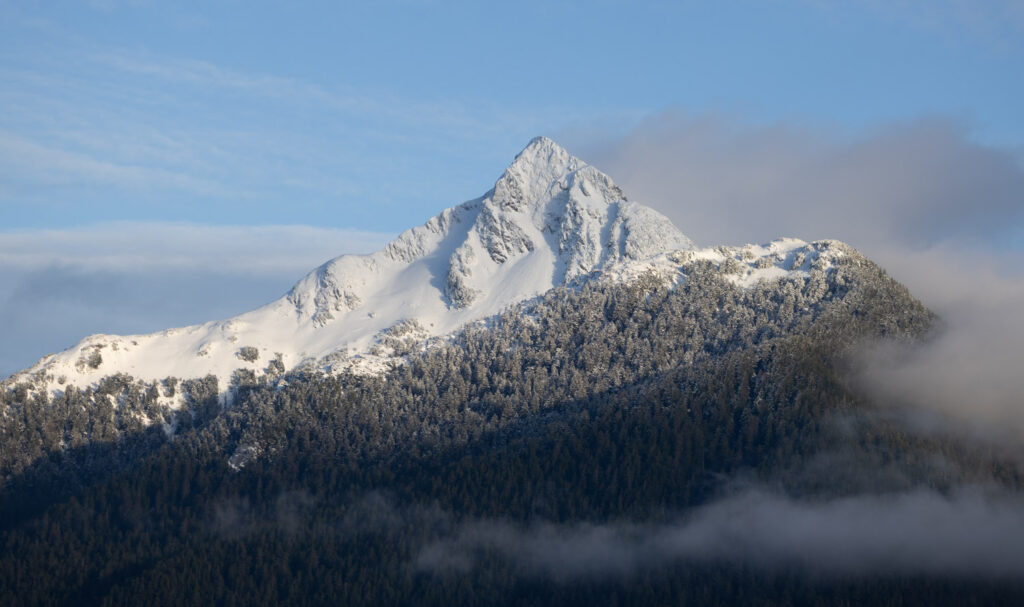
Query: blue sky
<point x="164" y="164"/>
<point x="374" y="116"/>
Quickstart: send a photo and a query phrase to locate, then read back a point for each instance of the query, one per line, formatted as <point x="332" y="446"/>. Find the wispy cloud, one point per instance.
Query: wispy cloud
<point x="377" y="104"/>
<point x="196" y="134"/>
<point x="448" y="121"/>
<point x="25" y="160"/>
<point x="969" y="371"/>
<point x="968" y="534"/>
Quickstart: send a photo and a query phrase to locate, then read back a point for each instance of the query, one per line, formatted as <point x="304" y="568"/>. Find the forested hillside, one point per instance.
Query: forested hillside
<point x="615" y="408"/>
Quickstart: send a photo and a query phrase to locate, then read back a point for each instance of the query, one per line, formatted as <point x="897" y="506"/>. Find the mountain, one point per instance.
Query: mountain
<point x="550" y="221"/>
<point x="544" y="396"/>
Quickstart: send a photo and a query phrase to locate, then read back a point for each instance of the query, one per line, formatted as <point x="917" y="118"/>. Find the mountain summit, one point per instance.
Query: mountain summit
<point x="550" y="220"/>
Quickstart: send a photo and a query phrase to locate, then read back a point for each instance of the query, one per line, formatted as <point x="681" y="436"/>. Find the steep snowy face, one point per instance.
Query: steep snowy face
<point x="549" y="202"/>
<point x="550" y="220"/>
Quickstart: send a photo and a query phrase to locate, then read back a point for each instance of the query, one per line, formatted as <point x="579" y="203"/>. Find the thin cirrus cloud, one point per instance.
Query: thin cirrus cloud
<point x="30" y="161"/>
<point x="408" y="112"/>
<point x="103" y="134"/>
<point x="62" y="125"/>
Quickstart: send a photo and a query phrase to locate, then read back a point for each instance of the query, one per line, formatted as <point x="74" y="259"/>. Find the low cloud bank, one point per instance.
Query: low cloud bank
<point x="968" y="534"/>
<point x="939" y="211"/>
<point x="58" y="286"/>
<point x="134" y="247"/>
<point x="913" y="184"/>
<point x="970" y="369"/>
<point x="974" y="533"/>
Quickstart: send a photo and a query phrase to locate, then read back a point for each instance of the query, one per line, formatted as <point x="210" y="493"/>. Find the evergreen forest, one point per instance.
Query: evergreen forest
<point x="596" y="412"/>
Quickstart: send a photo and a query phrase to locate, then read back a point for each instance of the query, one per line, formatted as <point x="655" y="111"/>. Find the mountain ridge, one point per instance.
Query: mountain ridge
<point x="550" y="220"/>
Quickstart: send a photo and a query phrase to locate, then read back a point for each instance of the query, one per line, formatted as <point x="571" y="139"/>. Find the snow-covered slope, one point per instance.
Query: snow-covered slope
<point x="550" y="220"/>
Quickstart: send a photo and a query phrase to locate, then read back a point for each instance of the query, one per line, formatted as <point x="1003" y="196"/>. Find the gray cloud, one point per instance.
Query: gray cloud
<point x="912" y="184"/>
<point x="970" y="370"/>
<point x="969" y="534"/>
<point x="943" y="214"/>
<point x="57" y="286"/>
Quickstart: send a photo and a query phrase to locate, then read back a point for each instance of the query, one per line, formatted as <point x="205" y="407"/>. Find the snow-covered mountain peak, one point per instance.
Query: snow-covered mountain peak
<point x="527" y="180"/>
<point x="550" y="220"/>
<point x="544" y="169"/>
<point x="548" y="194"/>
